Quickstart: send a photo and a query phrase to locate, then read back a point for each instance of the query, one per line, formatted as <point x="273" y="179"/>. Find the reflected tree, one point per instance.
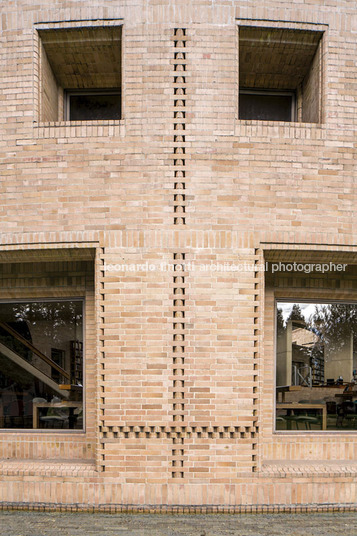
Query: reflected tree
<point x="334" y="323"/>
<point x="53" y="315"/>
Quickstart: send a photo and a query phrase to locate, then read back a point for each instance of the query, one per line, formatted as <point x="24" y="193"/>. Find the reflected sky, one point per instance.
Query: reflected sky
<point x="307" y="309"/>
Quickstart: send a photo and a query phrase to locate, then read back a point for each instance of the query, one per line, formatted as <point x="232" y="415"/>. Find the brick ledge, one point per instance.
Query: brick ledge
<point x="18" y="467"/>
<point x="309" y="468"/>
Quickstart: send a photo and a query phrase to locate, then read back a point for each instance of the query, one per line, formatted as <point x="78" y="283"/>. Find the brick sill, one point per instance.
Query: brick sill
<point x="326" y="468"/>
<point x="279" y="129"/>
<point x="79" y="129"/>
<point x="28" y="467"/>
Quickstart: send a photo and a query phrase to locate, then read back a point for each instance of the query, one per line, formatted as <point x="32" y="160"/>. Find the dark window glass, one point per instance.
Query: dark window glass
<point x="265" y="107"/>
<point x="94" y="107"/>
<point x="41" y="364"/>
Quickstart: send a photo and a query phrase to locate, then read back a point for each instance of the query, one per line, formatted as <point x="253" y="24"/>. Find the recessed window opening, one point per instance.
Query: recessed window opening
<point x="280" y="73"/>
<point x="80" y="73"/>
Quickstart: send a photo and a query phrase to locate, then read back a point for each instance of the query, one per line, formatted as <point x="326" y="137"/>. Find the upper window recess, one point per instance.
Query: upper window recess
<point x="80" y="74"/>
<point x="279" y="74"/>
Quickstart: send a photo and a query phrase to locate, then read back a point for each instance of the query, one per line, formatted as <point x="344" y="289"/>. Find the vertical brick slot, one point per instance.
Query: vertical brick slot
<point x="101" y="383"/>
<point x="179" y="211"/>
<point x="256" y="334"/>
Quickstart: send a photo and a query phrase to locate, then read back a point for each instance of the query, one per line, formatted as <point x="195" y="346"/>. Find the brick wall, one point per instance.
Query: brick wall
<point x="180" y="364"/>
<point x="48" y="90"/>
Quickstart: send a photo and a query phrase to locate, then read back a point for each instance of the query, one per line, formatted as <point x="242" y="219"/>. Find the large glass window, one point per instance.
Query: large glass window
<point x="41" y="364"/>
<point x="316" y="366"/>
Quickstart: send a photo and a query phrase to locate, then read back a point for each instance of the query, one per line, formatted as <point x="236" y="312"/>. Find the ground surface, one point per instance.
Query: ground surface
<point x="81" y="524"/>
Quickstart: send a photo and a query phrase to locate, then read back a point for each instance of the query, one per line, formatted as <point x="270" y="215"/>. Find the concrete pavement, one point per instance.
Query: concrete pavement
<point x="22" y="523"/>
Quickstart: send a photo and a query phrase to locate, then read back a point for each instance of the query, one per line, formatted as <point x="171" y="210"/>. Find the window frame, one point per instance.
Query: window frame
<point x="68" y="93"/>
<point x="274" y="93"/>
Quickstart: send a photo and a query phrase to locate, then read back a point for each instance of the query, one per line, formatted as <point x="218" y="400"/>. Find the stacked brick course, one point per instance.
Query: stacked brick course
<point x="179" y="359"/>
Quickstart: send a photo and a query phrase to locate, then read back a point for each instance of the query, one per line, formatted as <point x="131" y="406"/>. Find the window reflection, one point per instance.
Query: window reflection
<point x="41" y="364"/>
<point x="316" y="362"/>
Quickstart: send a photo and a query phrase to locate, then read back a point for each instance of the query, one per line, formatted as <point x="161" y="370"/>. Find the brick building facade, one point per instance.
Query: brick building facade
<point x="159" y="218"/>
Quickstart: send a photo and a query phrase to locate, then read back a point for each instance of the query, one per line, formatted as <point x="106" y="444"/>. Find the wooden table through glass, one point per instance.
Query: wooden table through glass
<point x="302" y="406"/>
<point x="71" y="406"/>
